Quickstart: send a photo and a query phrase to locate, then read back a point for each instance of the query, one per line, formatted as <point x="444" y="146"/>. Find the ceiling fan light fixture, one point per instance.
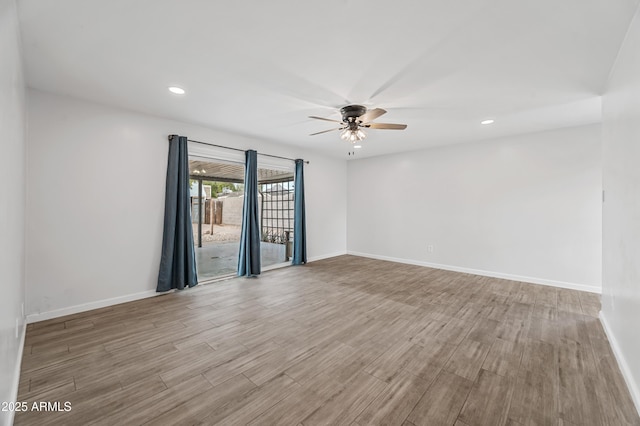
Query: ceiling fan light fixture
<point x="352" y="135"/>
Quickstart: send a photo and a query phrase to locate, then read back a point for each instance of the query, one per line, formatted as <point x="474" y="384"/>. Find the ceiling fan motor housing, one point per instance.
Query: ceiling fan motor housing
<point x="353" y="112"/>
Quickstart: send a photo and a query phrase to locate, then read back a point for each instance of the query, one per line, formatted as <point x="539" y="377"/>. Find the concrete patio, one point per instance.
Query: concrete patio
<point x="217" y="259"/>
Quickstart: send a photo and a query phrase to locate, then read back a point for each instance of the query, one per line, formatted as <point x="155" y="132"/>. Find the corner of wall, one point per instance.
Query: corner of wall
<point x="622" y="361"/>
<point x="12" y="219"/>
<point x="16" y="372"/>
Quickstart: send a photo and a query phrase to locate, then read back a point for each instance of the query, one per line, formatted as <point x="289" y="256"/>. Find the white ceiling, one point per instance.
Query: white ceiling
<point x="259" y="68"/>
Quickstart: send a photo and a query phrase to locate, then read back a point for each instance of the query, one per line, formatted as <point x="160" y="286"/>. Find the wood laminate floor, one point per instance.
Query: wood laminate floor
<point x="346" y="340"/>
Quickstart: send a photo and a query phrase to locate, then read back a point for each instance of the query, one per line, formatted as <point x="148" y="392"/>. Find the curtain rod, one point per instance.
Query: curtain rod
<point x="241" y="150"/>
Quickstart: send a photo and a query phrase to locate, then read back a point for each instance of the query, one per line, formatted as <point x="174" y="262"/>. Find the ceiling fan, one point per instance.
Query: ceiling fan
<point x="354" y="119"/>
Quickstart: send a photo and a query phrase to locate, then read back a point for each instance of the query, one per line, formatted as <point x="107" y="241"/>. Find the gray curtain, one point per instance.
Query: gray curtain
<point x="178" y="261"/>
<point x="249" y="258"/>
<point x="299" y="220"/>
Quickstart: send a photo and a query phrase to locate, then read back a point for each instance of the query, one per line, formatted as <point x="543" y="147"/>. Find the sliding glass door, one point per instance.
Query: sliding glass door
<point x="217" y="197"/>
<point x="216" y="214"/>
<point x="276" y="221"/>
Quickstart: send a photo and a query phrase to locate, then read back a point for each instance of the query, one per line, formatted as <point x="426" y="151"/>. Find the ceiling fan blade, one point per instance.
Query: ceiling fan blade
<point x="371" y="115"/>
<point x="386" y="126"/>
<point x="325" y="119"/>
<point x="326" y="131"/>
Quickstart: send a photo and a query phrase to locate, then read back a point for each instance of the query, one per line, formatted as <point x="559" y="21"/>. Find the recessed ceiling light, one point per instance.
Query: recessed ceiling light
<point x="487" y="122"/>
<point x="357" y="146"/>
<point x="176" y="90"/>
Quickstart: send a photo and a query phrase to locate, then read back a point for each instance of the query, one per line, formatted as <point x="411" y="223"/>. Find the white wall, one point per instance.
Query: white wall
<point x="621" y="209"/>
<point x="12" y="203"/>
<point x="93" y="237"/>
<point x="525" y="207"/>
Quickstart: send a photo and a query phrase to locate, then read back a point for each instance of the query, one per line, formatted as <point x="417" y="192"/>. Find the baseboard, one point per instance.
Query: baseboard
<point x="90" y="306"/>
<point x="532" y="280"/>
<point x="634" y="390"/>
<point x="16" y="372"/>
<point x="325" y="256"/>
